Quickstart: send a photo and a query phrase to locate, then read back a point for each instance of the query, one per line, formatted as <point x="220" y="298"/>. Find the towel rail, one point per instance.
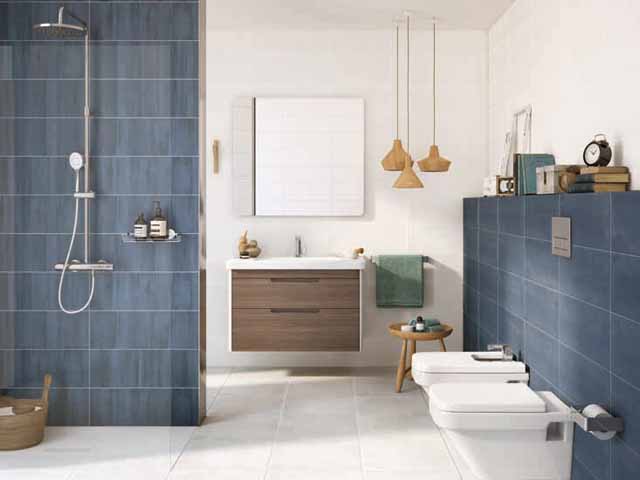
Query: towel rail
<point x="425" y="259"/>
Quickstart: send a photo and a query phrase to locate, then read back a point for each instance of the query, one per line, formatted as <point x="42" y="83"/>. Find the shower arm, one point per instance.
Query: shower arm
<point x="61" y="14"/>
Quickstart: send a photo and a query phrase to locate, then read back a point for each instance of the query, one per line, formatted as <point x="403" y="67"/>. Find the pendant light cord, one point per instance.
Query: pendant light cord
<point x="434" y="81"/>
<point x="397" y="80"/>
<point x="408" y="116"/>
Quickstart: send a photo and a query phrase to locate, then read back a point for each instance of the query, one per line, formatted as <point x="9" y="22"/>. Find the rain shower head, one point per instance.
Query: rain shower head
<point x="62" y="30"/>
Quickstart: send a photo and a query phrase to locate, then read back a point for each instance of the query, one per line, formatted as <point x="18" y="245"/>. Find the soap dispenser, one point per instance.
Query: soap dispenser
<point x="158" y="223"/>
<point x="140" y="228"/>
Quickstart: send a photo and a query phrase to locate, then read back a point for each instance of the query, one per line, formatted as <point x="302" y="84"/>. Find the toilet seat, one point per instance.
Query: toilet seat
<point x="430" y="368"/>
<point x="494" y="406"/>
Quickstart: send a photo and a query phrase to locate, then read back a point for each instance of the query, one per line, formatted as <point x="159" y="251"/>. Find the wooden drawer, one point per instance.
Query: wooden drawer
<point x="296" y="289"/>
<point x="295" y="330"/>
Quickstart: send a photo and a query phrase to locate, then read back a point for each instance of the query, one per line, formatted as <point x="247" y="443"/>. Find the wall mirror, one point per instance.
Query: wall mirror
<point x="298" y="156"/>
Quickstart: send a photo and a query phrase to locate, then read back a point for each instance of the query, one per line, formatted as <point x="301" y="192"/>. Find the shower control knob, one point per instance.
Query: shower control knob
<point x="76" y="161"/>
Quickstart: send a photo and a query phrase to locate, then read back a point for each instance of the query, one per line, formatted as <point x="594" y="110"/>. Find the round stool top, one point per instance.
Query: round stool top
<point x="394" y="329"/>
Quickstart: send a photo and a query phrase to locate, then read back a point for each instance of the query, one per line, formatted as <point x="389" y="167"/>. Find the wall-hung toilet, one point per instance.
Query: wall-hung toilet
<point x="430" y="368"/>
<point x="504" y="431"/>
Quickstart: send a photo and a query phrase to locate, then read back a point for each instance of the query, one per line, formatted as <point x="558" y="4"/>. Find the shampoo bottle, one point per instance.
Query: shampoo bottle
<point x="140" y="228"/>
<point x="158" y="223"/>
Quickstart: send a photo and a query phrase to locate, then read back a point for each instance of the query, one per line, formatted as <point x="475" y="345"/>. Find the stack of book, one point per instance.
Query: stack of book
<point x="601" y="179"/>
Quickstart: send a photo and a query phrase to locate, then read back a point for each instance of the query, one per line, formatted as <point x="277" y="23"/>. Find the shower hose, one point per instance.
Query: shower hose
<point x="66" y="260"/>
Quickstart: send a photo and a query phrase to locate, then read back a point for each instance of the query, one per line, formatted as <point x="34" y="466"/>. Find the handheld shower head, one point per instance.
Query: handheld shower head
<point x="61" y="30"/>
<point x="76" y="161"/>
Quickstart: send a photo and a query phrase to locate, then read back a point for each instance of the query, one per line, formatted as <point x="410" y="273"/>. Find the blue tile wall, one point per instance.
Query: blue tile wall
<point x="575" y="322"/>
<point x="132" y="358"/>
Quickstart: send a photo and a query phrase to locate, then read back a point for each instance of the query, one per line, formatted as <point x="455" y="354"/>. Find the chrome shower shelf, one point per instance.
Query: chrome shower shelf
<point x="129" y="238"/>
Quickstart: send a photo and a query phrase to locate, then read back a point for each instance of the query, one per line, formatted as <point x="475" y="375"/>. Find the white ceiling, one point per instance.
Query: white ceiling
<point x="361" y="14"/>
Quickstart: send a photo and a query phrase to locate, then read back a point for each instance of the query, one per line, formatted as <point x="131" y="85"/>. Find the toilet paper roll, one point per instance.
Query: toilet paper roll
<point x="594" y="411"/>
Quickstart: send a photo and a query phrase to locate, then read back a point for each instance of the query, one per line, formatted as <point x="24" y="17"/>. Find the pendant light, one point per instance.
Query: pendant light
<point x="408" y="177"/>
<point x="434" y="162"/>
<point x="394" y="160"/>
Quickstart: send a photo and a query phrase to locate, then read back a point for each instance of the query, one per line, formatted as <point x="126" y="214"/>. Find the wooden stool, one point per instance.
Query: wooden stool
<point x="412" y="338"/>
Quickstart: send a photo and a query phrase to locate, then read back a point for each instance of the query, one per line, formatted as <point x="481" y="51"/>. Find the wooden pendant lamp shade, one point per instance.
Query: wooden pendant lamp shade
<point x="434" y="162"/>
<point x="394" y="160"/>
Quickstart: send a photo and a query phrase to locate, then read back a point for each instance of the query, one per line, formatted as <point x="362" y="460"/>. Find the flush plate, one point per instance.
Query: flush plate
<point x="561" y="236"/>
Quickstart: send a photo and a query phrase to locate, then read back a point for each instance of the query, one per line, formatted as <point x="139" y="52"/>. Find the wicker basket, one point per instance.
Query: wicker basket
<point x="25" y="428"/>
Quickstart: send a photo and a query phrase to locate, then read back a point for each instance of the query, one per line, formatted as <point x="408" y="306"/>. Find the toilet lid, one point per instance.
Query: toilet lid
<point x="463" y="362"/>
<point x="486" y="398"/>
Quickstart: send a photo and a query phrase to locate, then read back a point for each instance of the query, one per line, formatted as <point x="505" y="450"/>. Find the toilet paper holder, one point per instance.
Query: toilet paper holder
<point x="597" y="421"/>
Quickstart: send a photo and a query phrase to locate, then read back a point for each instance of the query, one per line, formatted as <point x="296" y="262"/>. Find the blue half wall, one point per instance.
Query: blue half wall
<point x="575" y="322"/>
<point x="132" y="358"/>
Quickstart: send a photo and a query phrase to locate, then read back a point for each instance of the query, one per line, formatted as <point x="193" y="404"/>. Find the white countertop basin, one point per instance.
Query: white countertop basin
<point x="296" y="263"/>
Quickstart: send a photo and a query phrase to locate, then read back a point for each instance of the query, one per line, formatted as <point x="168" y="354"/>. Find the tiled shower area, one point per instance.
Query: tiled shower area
<point x="575" y="322"/>
<point x="133" y="357"/>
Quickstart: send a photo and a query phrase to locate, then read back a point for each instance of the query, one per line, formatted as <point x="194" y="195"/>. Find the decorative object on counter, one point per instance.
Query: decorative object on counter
<point x="357" y="252"/>
<point x="499" y="186"/>
<point x="524" y="169"/>
<point x="410" y="338"/>
<point x="23" y="426"/>
<point x="434" y="162"/>
<point x="399" y="281"/>
<point x="396" y="158"/>
<point x="408" y="177"/>
<point x="158" y="224"/>
<point x="420" y="324"/>
<point x="248" y="248"/>
<point x="555" y="178"/>
<point x="407" y="328"/>
<point x="601" y="179"/>
<point x="598" y="152"/>
<point x="140" y="228"/>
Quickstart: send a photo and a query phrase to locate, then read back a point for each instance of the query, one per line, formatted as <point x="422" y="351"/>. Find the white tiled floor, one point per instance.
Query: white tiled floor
<point x="278" y="424"/>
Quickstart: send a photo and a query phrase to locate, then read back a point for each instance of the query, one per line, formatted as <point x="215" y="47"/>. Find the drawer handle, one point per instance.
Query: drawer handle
<point x="295" y="310"/>
<point x="294" y="280"/>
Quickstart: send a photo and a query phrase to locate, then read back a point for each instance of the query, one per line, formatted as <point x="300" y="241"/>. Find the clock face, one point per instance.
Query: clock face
<point x="592" y="154"/>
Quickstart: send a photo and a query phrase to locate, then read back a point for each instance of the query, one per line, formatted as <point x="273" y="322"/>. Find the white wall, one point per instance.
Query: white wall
<point x="428" y="221"/>
<point x="576" y="62"/>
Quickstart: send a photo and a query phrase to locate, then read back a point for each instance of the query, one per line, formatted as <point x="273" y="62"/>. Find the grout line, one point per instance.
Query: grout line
<point x="275" y="435"/>
<point x="358" y="431"/>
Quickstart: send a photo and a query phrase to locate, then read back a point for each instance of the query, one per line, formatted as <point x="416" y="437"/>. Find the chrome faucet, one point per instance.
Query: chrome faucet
<point x="298" y="246"/>
<point x="507" y="351"/>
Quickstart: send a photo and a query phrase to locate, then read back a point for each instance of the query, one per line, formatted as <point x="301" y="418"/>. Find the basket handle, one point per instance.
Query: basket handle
<point x="45" y="389"/>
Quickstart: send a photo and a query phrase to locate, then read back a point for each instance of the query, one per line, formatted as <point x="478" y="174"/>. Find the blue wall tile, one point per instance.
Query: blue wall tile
<point x="68" y="368"/>
<point x="542" y="307"/>
<point x="590" y="217"/>
<point x="593" y="454"/>
<point x="470" y="242"/>
<point x="626" y="230"/>
<point x="586" y="276"/>
<point x="625" y="299"/>
<point x="541" y="352"/>
<point x="488" y="281"/>
<point x="129" y="60"/>
<point x="40" y="136"/>
<point x="470" y="212"/>
<point x="184" y="410"/>
<point x="67" y="406"/>
<point x="626" y="351"/>
<point x="488" y="315"/>
<point x="488" y="248"/>
<point x="470" y="302"/>
<point x="470" y="267"/>
<point x="39" y="330"/>
<point x="41" y="97"/>
<point x="36" y="175"/>
<point x="488" y="213"/>
<point x="584" y="381"/>
<point x="123" y="407"/>
<point x="51" y="60"/>
<point x="511" y="216"/>
<point x="538" y="212"/>
<point x="511" y="291"/>
<point x="585" y="328"/>
<point x="511" y="331"/>
<point x="511" y="256"/>
<point x="626" y="462"/>
<point x="626" y="399"/>
<point x="541" y="266"/>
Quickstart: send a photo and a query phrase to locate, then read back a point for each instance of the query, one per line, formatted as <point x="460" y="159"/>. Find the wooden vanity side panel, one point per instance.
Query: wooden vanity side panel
<point x="319" y="330"/>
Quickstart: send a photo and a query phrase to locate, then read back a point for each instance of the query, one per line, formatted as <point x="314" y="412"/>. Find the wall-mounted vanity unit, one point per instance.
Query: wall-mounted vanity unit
<point x="295" y="304"/>
<point x="298" y="156"/>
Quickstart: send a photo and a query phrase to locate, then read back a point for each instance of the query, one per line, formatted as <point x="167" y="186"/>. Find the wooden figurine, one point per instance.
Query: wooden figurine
<point x="248" y="248"/>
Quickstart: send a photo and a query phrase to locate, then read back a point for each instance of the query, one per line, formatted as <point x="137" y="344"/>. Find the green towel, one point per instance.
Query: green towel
<point x="399" y="281"/>
<point x="431" y="322"/>
<point x="435" y="328"/>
